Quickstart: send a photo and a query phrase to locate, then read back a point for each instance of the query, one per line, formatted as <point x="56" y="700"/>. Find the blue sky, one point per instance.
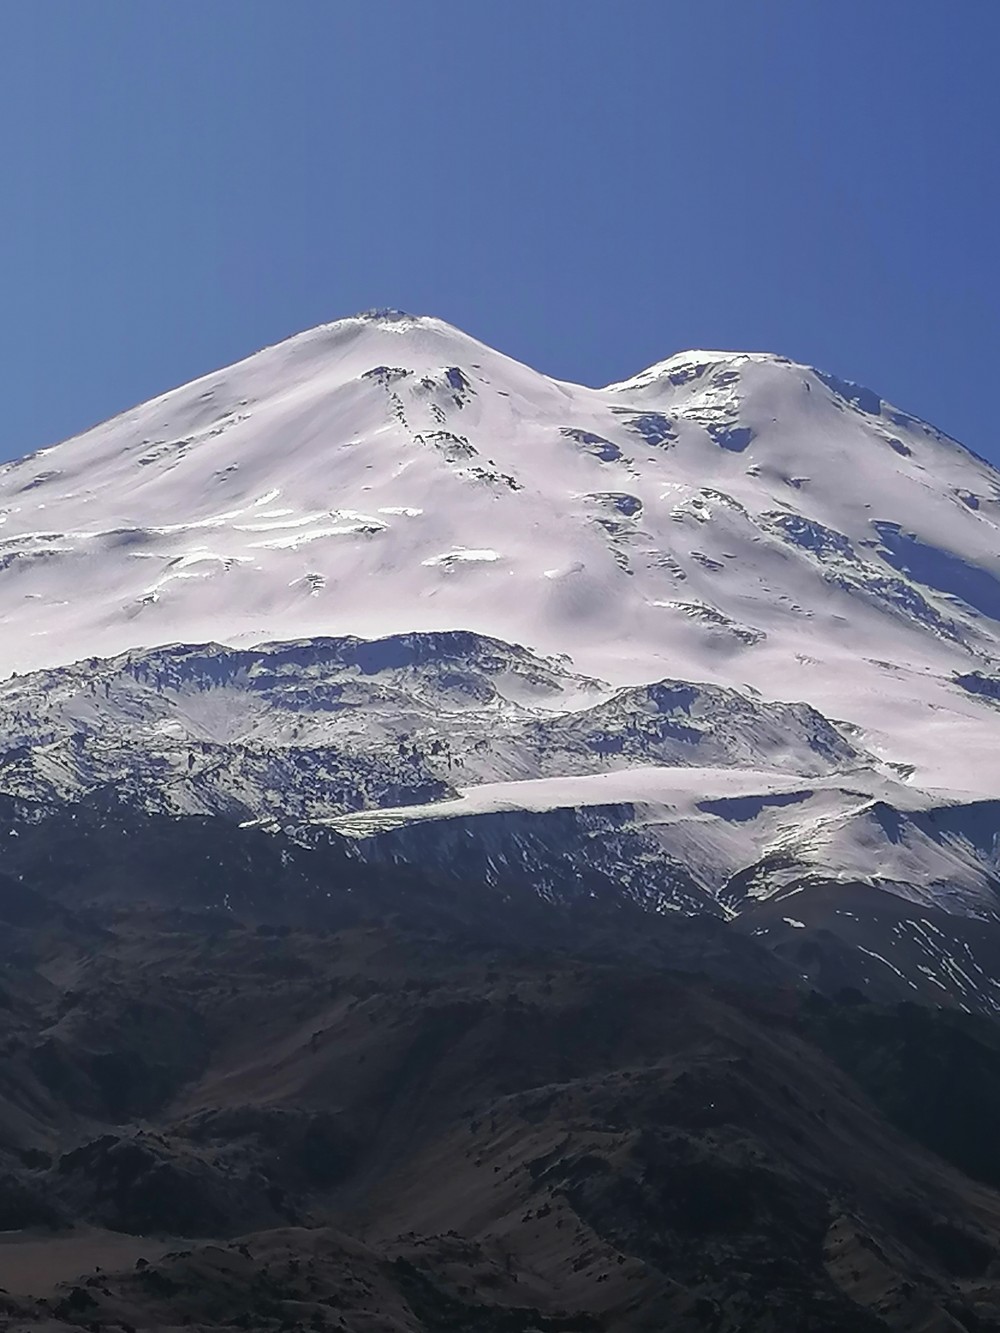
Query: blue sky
<point x="589" y="185"/>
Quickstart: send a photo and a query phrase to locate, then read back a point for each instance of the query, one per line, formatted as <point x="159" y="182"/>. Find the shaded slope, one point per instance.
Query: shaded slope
<point x="369" y="1110"/>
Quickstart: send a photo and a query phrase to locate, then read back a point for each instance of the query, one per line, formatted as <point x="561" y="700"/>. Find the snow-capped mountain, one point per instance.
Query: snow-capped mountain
<point x="731" y="625"/>
<point x="737" y="519"/>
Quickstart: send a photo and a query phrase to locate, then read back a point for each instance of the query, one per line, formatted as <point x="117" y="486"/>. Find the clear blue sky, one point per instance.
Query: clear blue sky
<point x="589" y="185"/>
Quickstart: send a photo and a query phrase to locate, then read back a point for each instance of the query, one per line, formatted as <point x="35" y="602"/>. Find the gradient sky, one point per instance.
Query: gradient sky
<point x="589" y="185"/>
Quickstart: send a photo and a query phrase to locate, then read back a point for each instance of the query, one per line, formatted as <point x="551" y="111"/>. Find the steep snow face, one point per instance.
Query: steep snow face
<point x="732" y="519"/>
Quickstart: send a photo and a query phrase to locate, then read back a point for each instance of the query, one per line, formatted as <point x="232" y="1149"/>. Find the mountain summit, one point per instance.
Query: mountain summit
<point x="733" y="518"/>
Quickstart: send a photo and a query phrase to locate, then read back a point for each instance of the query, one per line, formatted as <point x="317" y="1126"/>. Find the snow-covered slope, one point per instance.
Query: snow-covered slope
<point x="728" y="630"/>
<point x="729" y="518"/>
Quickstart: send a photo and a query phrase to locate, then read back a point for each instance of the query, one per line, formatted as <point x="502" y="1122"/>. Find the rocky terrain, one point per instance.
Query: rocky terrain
<point x="485" y="766"/>
<point x="247" y="1084"/>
